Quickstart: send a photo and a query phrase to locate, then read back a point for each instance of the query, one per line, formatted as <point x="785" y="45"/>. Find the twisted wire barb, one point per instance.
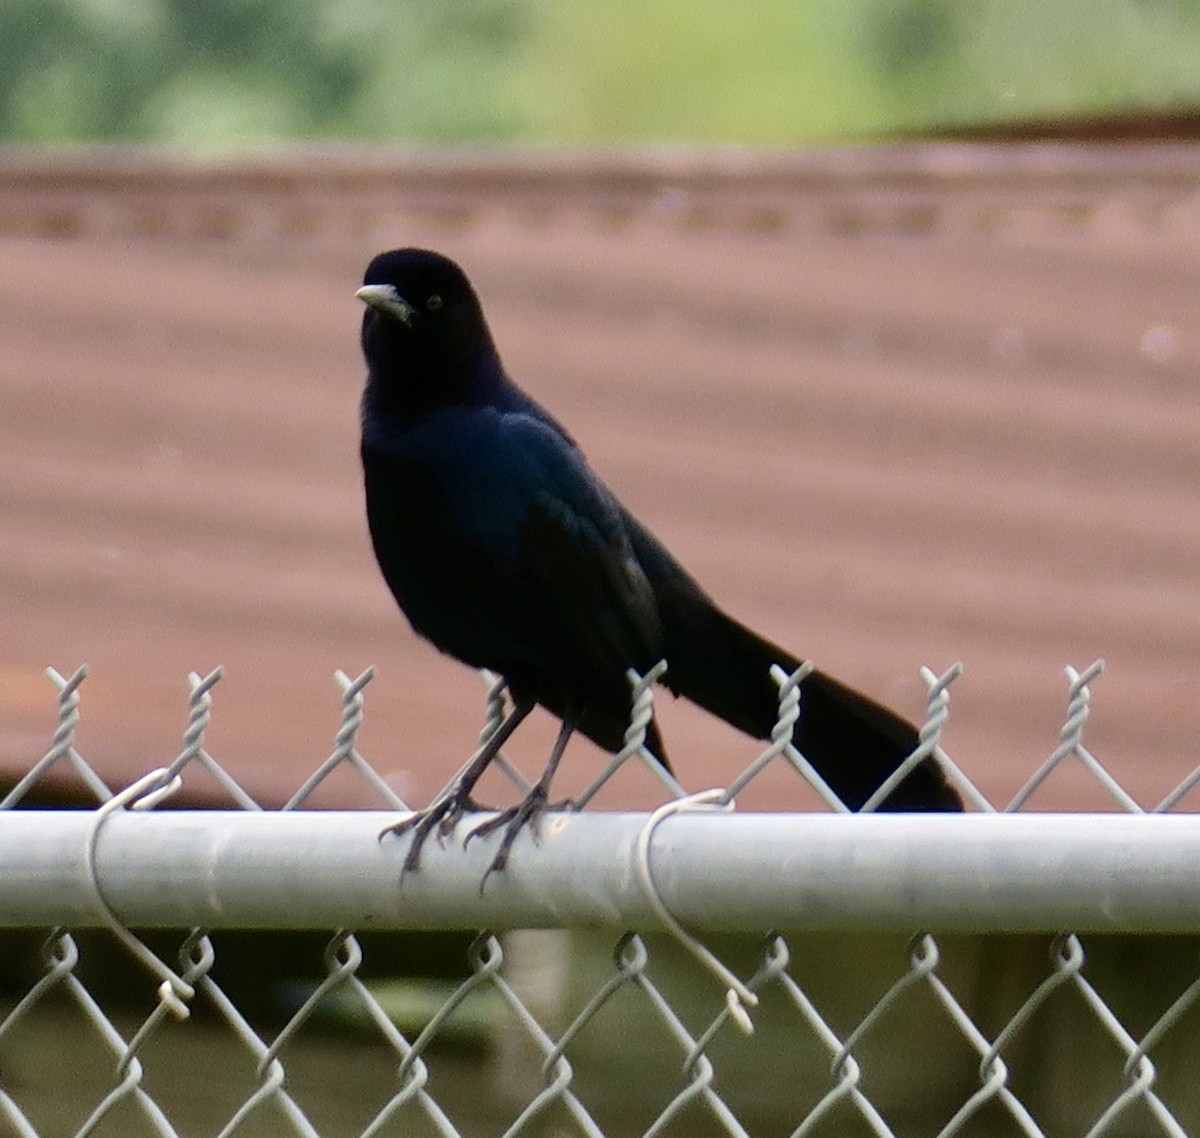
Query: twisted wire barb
<point x="789" y="711"/>
<point x="928" y="737"/>
<point x="1079" y="696"/>
<point x="62" y="745"/>
<point x="781" y="738"/>
<point x="199" y="714"/>
<point x="344" y="751"/>
<point x="642" y="688"/>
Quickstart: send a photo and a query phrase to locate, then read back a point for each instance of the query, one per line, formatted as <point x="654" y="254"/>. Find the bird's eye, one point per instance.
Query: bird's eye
<point x="433" y="303"/>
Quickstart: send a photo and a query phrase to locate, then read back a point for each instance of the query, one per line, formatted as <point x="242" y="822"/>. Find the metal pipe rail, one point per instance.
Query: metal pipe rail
<point x="1047" y="872"/>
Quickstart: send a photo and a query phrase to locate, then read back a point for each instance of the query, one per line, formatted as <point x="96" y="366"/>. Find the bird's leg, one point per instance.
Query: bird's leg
<point x="448" y="807"/>
<point x="515" y="818"/>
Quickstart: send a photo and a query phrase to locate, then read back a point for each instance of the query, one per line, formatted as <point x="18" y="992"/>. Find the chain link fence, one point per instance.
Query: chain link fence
<point x="688" y="971"/>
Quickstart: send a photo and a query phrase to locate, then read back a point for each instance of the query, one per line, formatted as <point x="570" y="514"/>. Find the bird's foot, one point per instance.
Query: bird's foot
<point x="441" y="817"/>
<point x="512" y="821"/>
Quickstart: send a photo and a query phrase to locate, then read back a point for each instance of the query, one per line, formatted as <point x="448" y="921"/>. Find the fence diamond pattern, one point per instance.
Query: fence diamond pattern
<point x="556" y="1075"/>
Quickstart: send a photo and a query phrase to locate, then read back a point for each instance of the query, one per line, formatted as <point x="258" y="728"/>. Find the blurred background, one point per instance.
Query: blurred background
<point x="244" y="73"/>
<point x="878" y="312"/>
<point x="881" y="314"/>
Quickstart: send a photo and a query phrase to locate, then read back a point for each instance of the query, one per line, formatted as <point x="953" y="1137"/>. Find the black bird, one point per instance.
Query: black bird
<point x="504" y="549"/>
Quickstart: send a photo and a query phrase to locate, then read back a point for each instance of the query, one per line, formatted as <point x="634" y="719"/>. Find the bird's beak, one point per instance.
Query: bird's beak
<point x="384" y="298"/>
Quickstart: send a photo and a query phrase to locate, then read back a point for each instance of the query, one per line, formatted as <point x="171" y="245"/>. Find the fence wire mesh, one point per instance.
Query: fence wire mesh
<point x="561" y="1031"/>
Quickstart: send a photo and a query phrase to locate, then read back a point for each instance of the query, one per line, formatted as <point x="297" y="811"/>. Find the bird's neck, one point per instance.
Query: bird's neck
<point x="411" y="384"/>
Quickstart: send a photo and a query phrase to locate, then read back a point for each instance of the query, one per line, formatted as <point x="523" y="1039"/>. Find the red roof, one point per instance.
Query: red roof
<point x="894" y="408"/>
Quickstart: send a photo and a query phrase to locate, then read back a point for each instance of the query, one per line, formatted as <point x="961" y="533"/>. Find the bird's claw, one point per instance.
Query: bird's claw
<point x="441" y="817"/>
<point x="512" y="821"/>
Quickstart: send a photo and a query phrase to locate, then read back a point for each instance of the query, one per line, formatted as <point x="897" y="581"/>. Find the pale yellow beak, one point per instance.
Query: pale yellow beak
<point x="384" y="298"/>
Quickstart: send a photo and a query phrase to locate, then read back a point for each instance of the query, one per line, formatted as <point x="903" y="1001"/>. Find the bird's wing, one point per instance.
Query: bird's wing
<point x="578" y="559"/>
<point x="711" y="658"/>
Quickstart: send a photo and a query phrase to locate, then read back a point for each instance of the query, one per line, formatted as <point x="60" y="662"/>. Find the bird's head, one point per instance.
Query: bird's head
<point x="423" y="333"/>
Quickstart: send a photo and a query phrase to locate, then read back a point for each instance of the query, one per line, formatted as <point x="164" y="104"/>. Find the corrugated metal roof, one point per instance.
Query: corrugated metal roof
<point x="893" y="407"/>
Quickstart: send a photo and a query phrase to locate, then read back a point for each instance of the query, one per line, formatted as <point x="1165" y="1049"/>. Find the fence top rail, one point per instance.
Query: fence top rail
<point x="318" y="869"/>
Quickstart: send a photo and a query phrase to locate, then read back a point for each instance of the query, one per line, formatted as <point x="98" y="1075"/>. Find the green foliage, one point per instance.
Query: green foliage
<point x="436" y="71"/>
<point x="765" y="72"/>
<point x="778" y="71"/>
<point x="230" y="72"/>
<point x="1028" y="59"/>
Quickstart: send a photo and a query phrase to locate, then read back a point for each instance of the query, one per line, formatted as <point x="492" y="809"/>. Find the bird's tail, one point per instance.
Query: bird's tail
<point x="853" y="742"/>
